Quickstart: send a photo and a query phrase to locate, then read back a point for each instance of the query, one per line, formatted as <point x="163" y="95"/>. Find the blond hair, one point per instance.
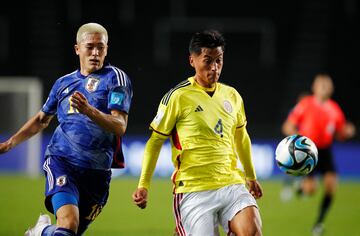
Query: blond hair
<point x="91" y="28"/>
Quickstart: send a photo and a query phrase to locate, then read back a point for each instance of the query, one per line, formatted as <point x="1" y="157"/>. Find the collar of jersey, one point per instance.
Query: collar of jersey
<point x="201" y="87"/>
<point x="81" y="76"/>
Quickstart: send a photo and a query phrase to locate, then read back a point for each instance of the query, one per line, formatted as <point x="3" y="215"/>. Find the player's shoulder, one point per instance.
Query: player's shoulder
<point x="116" y="71"/>
<point x="117" y="75"/>
<point x="229" y="89"/>
<point x="176" y="91"/>
<point x="67" y="78"/>
<point x="307" y="100"/>
<point x="108" y="68"/>
<point x="334" y="104"/>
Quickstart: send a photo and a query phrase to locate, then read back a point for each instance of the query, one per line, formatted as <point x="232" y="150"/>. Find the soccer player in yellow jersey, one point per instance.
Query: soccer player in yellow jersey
<point x="206" y="123"/>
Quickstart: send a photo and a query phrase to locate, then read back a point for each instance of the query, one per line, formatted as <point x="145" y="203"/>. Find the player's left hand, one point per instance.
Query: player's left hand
<point x="79" y="102"/>
<point x="255" y="188"/>
<point x="140" y="197"/>
<point x="5" y="147"/>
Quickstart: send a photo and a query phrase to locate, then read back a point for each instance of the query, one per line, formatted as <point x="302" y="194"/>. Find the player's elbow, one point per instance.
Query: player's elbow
<point x="43" y="120"/>
<point x="120" y="131"/>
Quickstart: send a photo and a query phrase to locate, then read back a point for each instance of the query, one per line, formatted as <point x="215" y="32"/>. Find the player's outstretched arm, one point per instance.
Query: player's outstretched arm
<point x="347" y="132"/>
<point x="243" y="149"/>
<point x="115" y="123"/>
<point x="151" y="155"/>
<point x="33" y="126"/>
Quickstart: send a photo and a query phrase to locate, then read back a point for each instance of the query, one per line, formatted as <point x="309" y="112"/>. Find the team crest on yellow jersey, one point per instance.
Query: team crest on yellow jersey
<point x="227" y="106"/>
<point x="92" y="84"/>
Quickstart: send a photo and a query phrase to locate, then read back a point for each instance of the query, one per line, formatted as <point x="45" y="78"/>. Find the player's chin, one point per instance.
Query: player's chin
<point x="213" y="79"/>
<point x="94" y="66"/>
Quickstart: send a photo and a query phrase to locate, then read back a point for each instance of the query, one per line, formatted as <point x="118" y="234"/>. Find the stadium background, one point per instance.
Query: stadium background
<point x="273" y="48"/>
<point x="273" y="51"/>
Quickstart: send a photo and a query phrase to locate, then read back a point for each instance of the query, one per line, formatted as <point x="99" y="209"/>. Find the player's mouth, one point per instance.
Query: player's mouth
<point x="212" y="77"/>
<point x="94" y="61"/>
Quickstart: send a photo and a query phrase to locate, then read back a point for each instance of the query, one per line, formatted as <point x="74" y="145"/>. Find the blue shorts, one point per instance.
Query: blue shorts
<point x="90" y="187"/>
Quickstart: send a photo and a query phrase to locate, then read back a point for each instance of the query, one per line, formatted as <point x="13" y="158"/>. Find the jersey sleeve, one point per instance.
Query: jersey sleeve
<point x="121" y="92"/>
<point x="242" y="140"/>
<point x="241" y="117"/>
<point x="297" y="112"/>
<point x="166" y="116"/>
<point x="243" y="150"/>
<point x="50" y="105"/>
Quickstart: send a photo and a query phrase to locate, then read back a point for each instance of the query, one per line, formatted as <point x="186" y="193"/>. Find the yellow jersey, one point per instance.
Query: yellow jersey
<point x="202" y="130"/>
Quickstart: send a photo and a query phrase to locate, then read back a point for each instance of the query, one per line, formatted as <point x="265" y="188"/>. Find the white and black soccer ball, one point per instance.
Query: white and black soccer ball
<point x="296" y="155"/>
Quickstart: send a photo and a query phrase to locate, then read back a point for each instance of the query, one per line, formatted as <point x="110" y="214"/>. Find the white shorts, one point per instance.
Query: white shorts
<point x="200" y="213"/>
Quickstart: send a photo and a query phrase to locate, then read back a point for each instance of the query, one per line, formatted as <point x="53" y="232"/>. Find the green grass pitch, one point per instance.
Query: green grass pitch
<point x="21" y="201"/>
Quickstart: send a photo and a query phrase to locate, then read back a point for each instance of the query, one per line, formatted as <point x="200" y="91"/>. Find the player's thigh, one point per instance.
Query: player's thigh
<point x="60" y="178"/>
<point x="247" y="222"/>
<point x="94" y="193"/>
<point x="237" y="203"/>
<point x="195" y="213"/>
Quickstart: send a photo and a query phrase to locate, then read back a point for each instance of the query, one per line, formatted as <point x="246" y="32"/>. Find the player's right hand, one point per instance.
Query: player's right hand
<point x="5" y="147"/>
<point x="140" y="197"/>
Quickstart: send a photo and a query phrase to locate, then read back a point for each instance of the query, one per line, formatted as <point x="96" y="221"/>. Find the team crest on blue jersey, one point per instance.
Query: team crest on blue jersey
<point x="92" y="84"/>
<point x="227" y="106"/>
<point x="61" y="180"/>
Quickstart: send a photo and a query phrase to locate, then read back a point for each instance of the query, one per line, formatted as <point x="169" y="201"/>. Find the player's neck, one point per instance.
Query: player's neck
<point x="321" y="99"/>
<point x="205" y="88"/>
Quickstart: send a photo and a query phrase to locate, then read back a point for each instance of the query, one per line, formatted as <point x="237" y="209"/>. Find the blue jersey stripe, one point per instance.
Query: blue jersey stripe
<point x="120" y="75"/>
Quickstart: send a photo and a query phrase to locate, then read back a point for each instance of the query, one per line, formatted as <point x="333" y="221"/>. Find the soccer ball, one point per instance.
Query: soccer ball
<point x="296" y="155"/>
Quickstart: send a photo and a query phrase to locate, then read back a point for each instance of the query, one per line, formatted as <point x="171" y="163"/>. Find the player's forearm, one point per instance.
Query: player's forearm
<point x="112" y="123"/>
<point x="243" y="149"/>
<point x="33" y="126"/>
<point x="151" y="155"/>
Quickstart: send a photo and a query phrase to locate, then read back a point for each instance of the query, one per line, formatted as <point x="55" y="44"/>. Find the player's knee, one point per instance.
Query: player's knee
<point x="254" y="230"/>
<point x="309" y="188"/>
<point x="248" y="226"/>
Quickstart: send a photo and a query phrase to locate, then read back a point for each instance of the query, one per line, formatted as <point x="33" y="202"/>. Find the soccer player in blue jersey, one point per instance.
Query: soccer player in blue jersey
<point x="92" y="105"/>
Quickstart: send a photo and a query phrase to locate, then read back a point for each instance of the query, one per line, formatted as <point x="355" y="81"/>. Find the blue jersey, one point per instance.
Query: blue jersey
<point x="78" y="139"/>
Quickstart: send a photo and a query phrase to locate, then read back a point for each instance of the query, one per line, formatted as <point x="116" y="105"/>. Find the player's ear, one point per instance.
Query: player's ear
<point x="191" y="61"/>
<point x="76" y="47"/>
<point x="106" y="50"/>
